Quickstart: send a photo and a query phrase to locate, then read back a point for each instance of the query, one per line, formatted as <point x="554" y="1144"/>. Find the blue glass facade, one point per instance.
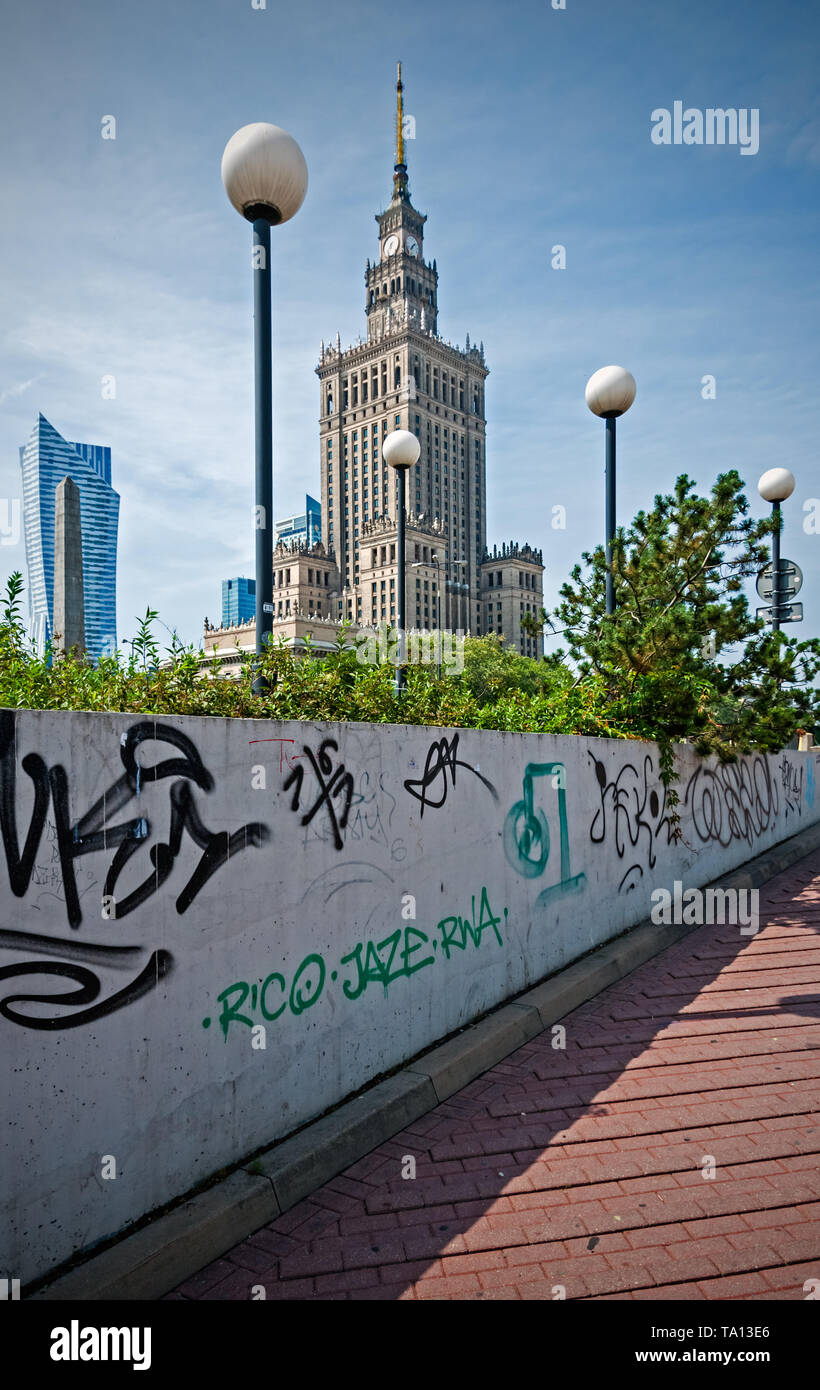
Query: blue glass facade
<point x="238" y="601"/>
<point x="45" y="460"/>
<point x="306" y="527"/>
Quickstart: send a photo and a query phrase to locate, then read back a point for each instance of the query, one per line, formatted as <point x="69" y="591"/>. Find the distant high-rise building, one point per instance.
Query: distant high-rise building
<point x="238" y="601"/>
<point x="45" y="460"/>
<point x="304" y="529"/>
<point x="403" y="375"/>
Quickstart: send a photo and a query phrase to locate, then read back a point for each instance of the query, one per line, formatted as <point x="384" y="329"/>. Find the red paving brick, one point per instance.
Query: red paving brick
<point x="580" y="1173"/>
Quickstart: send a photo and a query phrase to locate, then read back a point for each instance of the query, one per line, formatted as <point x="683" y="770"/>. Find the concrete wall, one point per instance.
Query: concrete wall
<point x="358" y="890"/>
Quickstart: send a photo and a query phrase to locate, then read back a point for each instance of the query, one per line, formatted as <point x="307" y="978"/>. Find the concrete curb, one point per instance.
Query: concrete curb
<point x="159" y="1256"/>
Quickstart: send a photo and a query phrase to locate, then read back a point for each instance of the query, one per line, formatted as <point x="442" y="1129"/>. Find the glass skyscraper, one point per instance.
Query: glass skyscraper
<point x="306" y="527"/>
<point x="45" y="460"/>
<point x="238" y="601"/>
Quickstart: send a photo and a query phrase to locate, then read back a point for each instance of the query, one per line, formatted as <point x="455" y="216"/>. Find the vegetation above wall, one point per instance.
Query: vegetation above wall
<point x="682" y="657"/>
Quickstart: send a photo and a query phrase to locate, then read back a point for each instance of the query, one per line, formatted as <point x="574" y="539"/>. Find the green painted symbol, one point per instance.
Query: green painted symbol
<point x="527" y="835"/>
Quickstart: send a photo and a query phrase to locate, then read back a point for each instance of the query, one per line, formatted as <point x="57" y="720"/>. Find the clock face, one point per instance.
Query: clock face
<point x="391" y="246"/>
<point x="412" y="246"/>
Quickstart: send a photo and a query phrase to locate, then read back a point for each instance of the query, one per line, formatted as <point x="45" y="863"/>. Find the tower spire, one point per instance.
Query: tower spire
<point x="400" y="168"/>
<point x="399" y="119"/>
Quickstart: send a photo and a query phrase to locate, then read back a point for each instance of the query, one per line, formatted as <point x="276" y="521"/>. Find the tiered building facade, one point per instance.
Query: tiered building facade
<point x="403" y="375"/>
<point x="45" y="459"/>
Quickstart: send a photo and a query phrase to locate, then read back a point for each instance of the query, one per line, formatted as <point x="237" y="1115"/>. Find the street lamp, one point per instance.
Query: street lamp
<point x="609" y="393"/>
<point x="775" y="486"/>
<point x="464" y="588"/>
<point x="422" y="564"/>
<point x="265" y="177"/>
<point x="401" y="451"/>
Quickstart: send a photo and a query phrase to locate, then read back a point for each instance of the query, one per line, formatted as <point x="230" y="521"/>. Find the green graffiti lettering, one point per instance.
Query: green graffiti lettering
<point x="263" y="993"/>
<point x="457" y="931"/>
<point x="489" y="920"/>
<point x="470" y="928"/>
<point x="526" y="834"/>
<point x="374" y="967"/>
<point x="361" y="981"/>
<point x="299" y="1001"/>
<point x="392" y="941"/>
<point x="232" y="1014"/>
<point x="411" y="950"/>
<point x="399" y="955"/>
<point x="451" y="938"/>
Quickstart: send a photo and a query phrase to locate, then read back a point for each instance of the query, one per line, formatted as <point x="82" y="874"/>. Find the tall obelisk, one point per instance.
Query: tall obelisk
<point x="69" y="602"/>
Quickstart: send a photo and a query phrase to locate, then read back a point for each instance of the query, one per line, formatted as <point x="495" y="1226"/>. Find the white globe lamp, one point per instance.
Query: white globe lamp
<point x="609" y="393"/>
<point x="265" y="177"/>
<point x="264" y="173"/>
<point x="400" y="451"/>
<point x="775" y="486"/>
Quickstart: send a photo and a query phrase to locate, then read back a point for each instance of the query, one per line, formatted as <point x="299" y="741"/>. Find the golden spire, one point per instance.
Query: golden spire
<point x="400" y="171"/>
<point x="399" y="120"/>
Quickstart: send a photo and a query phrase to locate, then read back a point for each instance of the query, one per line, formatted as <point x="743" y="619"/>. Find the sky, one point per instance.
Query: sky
<point x="123" y="257"/>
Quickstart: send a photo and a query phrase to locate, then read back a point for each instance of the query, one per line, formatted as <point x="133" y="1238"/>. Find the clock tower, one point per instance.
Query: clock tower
<point x="400" y="287"/>
<point x="404" y="375"/>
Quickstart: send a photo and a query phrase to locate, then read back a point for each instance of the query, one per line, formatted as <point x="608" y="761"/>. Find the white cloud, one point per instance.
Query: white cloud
<point x="11" y="392"/>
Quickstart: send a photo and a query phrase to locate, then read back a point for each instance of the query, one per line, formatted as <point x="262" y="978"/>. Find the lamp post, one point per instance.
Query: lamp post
<point x="400" y="451"/>
<point x="464" y="590"/>
<point x="420" y="565"/>
<point x="609" y="393"/>
<point x="265" y="177"/>
<point x="775" y="486"/>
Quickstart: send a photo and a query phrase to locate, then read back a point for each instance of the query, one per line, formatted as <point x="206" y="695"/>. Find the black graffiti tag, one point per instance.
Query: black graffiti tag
<point x="156" y="969"/>
<point x="638" y="815"/>
<point x="92" y="834"/>
<point x="791" y="779"/>
<point x="733" y="801"/>
<point x="442" y="758"/>
<point x="330" y="784"/>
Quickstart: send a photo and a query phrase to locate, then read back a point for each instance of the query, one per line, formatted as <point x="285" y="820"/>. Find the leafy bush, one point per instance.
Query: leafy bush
<point x="652" y="670"/>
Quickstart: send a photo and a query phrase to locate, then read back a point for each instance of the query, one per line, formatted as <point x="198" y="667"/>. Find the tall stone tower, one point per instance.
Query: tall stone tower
<point x="404" y="375"/>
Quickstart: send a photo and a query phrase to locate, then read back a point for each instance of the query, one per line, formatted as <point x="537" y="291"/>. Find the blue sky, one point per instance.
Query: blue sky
<point x="123" y="257"/>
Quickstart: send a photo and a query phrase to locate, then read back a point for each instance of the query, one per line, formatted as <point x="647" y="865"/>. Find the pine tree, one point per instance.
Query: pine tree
<point x="683" y="648"/>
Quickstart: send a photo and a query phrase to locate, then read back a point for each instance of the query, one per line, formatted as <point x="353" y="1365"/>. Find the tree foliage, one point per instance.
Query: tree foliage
<point x="681" y="658"/>
<point x="683" y="648"/>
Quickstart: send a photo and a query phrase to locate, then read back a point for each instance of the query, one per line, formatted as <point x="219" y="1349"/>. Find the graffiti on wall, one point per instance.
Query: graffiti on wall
<point x="400" y="955"/>
<point x="733" y="801"/>
<point x="330" y="781"/>
<point x="526" y="833"/>
<point x="633" y="812"/>
<point x="369" y="820"/>
<point x="791" y="780"/>
<point x="93" y="833"/>
<point x="442" y="761"/>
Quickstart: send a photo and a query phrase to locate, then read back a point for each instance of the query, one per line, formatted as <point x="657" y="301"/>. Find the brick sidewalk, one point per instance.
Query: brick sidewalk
<point x="582" y="1167"/>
